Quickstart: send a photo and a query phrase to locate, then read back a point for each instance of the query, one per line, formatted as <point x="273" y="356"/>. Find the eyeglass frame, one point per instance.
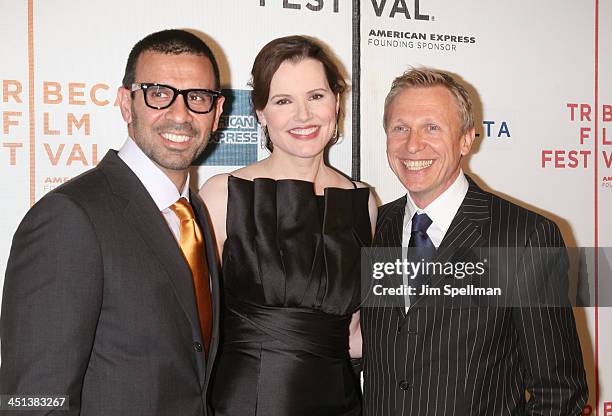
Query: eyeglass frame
<point x="144" y="85"/>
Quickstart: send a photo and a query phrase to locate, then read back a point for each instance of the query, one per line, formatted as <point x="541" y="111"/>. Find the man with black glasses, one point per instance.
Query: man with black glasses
<point x="111" y="291"/>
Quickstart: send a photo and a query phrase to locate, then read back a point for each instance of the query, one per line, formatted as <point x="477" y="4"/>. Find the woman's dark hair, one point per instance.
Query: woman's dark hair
<point x="293" y="49"/>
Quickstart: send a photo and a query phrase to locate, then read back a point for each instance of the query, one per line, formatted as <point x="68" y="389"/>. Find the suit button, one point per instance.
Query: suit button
<point x="399" y="329"/>
<point x="197" y="346"/>
<point x="405" y="385"/>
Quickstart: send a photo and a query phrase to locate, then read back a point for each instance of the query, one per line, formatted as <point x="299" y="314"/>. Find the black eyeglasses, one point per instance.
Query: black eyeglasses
<point x="160" y="96"/>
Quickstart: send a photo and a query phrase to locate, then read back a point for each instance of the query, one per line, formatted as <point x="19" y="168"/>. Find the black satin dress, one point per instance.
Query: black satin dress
<point x="291" y="271"/>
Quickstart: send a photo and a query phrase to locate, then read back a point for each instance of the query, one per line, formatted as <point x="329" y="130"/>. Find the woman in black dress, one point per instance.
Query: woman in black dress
<point x="289" y="231"/>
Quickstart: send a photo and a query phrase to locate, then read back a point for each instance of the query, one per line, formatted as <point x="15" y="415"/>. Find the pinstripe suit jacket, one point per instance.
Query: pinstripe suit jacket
<point x="473" y="360"/>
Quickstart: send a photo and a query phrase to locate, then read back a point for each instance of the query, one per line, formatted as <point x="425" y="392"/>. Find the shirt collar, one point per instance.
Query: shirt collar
<point x="443" y="209"/>
<point x="157" y="184"/>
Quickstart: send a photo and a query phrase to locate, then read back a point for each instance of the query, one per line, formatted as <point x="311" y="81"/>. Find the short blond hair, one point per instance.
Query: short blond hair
<point x="424" y="77"/>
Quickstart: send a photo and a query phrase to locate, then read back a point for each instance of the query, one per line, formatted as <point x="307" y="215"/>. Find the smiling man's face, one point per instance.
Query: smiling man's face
<point x="425" y="142"/>
<point x="173" y="137"/>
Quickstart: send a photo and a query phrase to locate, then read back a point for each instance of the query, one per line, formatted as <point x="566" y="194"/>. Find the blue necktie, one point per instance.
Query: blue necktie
<point x="424" y="250"/>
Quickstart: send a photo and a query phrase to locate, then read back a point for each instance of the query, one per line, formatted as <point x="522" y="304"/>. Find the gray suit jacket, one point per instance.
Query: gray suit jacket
<point x="475" y="361"/>
<point x="99" y="303"/>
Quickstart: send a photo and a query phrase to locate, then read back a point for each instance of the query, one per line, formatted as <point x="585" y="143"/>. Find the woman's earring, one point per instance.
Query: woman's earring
<point x="265" y="138"/>
<point x="334" y="138"/>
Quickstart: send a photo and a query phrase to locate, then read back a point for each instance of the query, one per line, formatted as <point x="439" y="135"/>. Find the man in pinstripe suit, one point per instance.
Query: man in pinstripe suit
<point x="464" y="360"/>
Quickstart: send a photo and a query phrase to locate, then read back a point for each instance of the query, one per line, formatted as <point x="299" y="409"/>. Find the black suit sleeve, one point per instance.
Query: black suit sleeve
<point x="51" y="304"/>
<point x="551" y="359"/>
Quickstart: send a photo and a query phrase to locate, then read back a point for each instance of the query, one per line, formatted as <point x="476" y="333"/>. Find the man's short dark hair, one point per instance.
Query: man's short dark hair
<point x="171" y="42"/>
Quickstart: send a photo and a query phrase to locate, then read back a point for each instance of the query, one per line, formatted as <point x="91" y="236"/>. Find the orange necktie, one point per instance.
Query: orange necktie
<point x="192" y="246"/>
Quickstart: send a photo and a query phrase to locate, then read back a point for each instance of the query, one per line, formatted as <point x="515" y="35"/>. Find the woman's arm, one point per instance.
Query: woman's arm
<point x="214" y="195"/>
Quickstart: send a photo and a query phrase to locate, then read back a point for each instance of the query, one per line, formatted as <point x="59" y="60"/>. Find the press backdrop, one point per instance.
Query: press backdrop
<point x="540" y="72"/>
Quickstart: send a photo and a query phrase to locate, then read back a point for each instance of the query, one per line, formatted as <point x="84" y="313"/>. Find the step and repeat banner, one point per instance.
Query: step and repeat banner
<point x="539" y="73"/>
<point x="59" y="110"/>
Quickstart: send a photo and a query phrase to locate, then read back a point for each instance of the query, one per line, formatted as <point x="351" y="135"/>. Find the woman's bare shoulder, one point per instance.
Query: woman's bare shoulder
<point x="215" y="186"/>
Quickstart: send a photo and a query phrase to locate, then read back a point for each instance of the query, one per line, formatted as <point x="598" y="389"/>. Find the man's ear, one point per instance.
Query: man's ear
<point x="466" y="141"/>
<point x="124" y="97"/>
<point x="218" y="112"/>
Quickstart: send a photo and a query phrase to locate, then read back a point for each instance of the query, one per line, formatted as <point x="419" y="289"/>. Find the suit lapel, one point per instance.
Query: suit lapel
<point x="389" y="230"/>
<point x="390" y="224"/>
<point x="142" y="213"/>
<point x="466" y="228"/>
<point x="213" y="260"/>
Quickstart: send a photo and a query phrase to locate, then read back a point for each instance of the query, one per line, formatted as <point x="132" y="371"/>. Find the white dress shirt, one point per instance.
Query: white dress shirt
<point x="441" y="211"/>
<point x="158" y="185"/>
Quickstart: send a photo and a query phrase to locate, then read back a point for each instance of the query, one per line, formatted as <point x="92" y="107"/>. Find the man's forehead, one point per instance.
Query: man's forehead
<point x="422" y="101"/>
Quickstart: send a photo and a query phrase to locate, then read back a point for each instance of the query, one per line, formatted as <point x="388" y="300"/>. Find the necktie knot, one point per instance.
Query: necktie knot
<point x="420" y="223"/>
<point x="183" y="210"/>
<point x="418" y="232"/>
